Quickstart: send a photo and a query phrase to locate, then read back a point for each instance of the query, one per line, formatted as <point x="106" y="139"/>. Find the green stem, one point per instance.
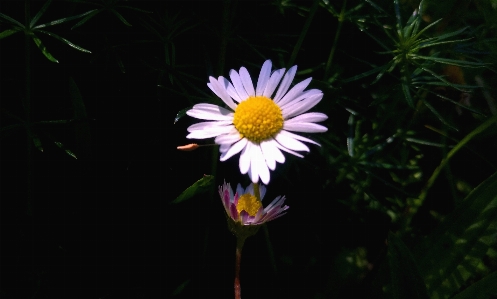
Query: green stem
<point x="307" y="24"/>
<point x="239" y="246"/>
<point x="419" y="202"/>
<point x="341" y="18"/>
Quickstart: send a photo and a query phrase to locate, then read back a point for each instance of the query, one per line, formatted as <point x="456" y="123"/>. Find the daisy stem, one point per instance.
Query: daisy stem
<point x="239" y="245"/>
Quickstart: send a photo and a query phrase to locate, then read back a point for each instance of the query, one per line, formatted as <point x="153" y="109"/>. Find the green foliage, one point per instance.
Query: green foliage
<point x="31" y="29"/>
<point x="200" y="186"/>
<point x="453" y="253"/>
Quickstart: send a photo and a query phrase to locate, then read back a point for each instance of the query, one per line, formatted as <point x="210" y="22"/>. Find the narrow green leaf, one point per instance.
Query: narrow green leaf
<point x="439" y="116"/>
<point x="64" y="41"/>
<point x="367" y="73"/>
<point x="68" y="151"/>
<point x="198" y="187"/>
<point x="431" y="44"/>
<point x="483" y="289"/>
<point x="63" y="20"/>
<point x="11" y="20"/>
<point x="8" y="32"/>
<point x="442" y="79"/>
<point x="424" y="29"/>
<point x="43" y="49"/>
<point x="37" y="143"/>
<point x="120" y="17"/>
<point x="444" y="36"/>
<point x="461" y="63"/>
<point x="39" y="14"/>
<point x="180" y="288"/>
<point x="85" y="19"/>
<point x="407" y="94"/>
<point x="181" y="113"/>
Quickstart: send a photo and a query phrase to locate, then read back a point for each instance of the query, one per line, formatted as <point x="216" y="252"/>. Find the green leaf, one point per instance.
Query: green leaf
<point x="461" y="63"/>
<point x="63" y="20"/>
<point x="39" y="14"/>
<point x="483" y="289"/>
<point x="452" y="253"/>
<point x="68" y="151"/>
<point x="180" y="288"/>
<point x="180" y="114"/>
<point x="89" y="16"/>
<point x="37" y="143"/>
<point x="43" y="49"/>
<point x="200" y="186"/>
<point x="64" y="41"/>
<point x="407" y="94"/>
<point x="443" y="36"/>
<point x="8" y="32"/>
<point x="120" y="17"/>
<point x="431" y="44"/>
<point x="11" y="20"/>
<point x="439" y="116"/>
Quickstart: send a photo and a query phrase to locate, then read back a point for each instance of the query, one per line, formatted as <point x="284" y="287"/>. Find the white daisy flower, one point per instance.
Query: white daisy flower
<point x="259" y="124"/>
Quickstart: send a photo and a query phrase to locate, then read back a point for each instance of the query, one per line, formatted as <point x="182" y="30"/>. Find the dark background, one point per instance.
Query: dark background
<point x="102" y="226"/>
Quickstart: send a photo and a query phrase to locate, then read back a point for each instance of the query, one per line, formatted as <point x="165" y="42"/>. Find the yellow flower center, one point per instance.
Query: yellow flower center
<point x="258" y="118"/>
<point x="248" y="203"/>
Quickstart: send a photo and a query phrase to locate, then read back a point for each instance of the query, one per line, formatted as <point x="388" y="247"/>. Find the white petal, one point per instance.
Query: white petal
<point x="311" y="117"/>
<point x="258" y="166"/>
<point x="234" y="149"/>
<point x="288" y="151"/>
<point x="211" y="132"/>
<point x="274" y="80"/>
<point x="285" y="84"/>
<point x="221" y="92"/>
<point x="290" y="143"/>
<point x="206" y="125"/>
<point x="294" y="92"/>
<point x="224" y="147"/>
<point x="298" y="137"/>
<point x="271" y="147"/>
<point x="237" y="83"/>
<point x="247" y="81"/>
<point x="263" y="77"/>
<point x="305" y="127"/>
<point x="210" y="112"/>
<point x="229" y="88"/>
<point x="245" y="157"/>
<point x="304" y="95"/>
<point x="268" y="154"/>
<point x="302" y="106"/>
<point x="230" y="138"/>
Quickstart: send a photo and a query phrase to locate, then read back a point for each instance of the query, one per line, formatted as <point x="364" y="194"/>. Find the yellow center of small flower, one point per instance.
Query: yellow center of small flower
<point x="248" y="203"/>
<point x="258" y="118"/>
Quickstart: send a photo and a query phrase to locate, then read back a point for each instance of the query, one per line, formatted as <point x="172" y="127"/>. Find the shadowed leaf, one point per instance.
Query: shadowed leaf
<point x="200" y="186"/>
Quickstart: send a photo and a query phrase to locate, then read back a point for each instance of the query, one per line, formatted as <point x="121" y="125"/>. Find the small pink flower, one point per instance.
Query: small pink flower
<point x="244" y="207"/>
